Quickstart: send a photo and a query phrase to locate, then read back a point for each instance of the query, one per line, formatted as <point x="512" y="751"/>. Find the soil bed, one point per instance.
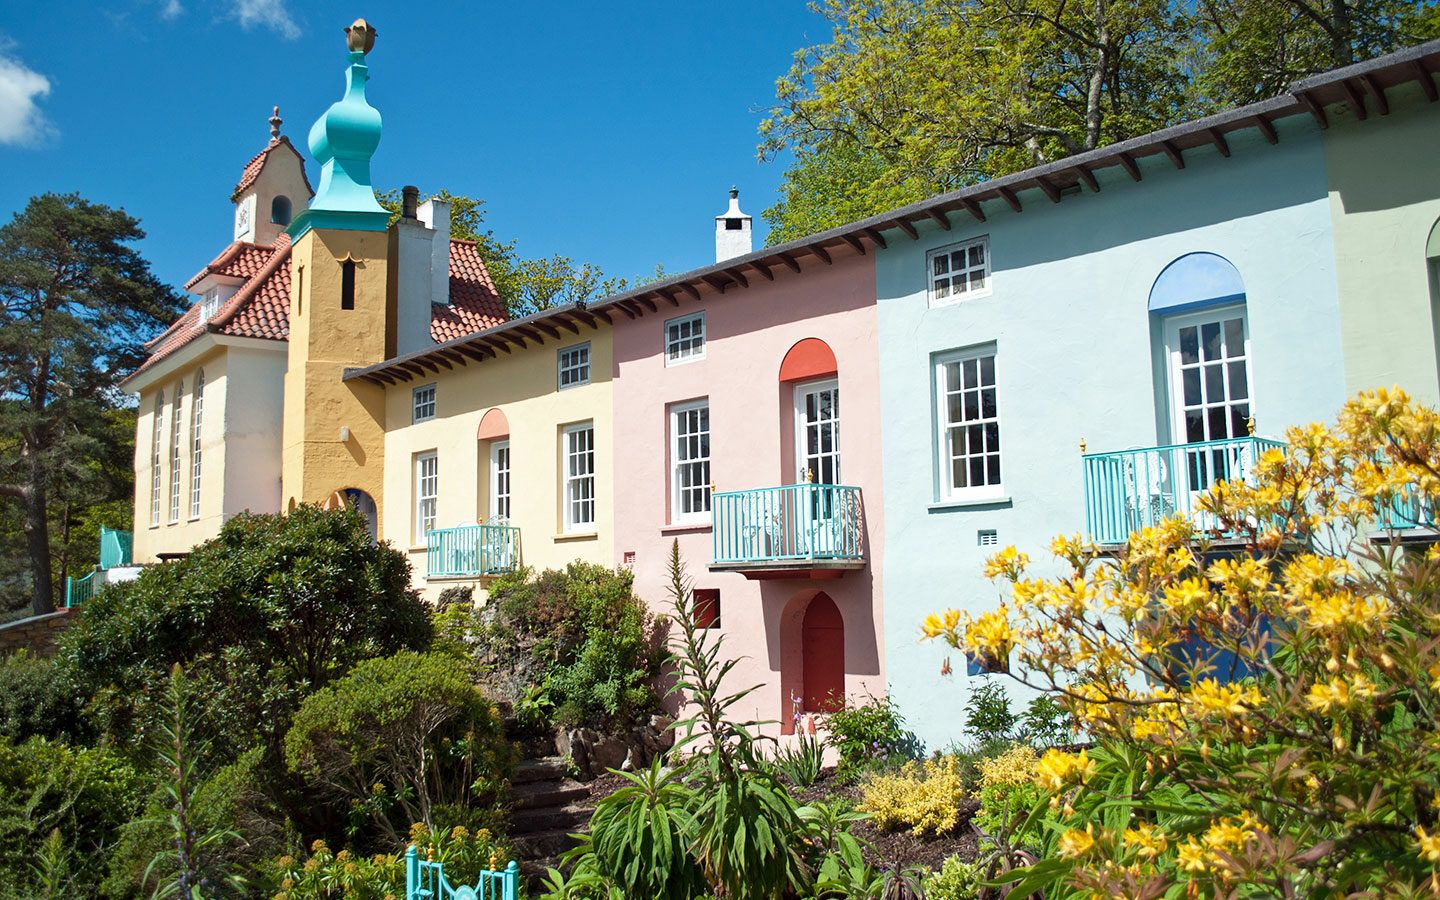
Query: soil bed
<point x="900" y="849"/>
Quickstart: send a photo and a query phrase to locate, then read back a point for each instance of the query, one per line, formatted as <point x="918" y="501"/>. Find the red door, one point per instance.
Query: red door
<point x="822" y="644"/>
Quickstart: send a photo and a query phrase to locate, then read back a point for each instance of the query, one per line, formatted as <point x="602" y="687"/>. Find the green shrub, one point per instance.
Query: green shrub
<point x="869" y="735"/>
<point x="988" y="715"/>
<point x="956" y="880"/>
<point x="37" y="699"/>
<point x="270" y="609"/>
<point x="1008" y="789"/>
<point x="802" y="762"/>
<point x="576" y="642"/>
<point x="86" y="794"/>
<point x="1046" y="723"/>
<point x="641" y="835"/>
<point x="402" y="739"/>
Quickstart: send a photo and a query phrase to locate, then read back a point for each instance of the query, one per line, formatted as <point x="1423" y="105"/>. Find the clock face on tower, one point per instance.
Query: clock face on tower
<point x="245" y="219"/>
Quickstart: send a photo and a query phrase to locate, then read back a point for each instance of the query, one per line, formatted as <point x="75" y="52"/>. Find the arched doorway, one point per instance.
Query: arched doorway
<point x="822" y="651"/>
<point x="361" y="502"/>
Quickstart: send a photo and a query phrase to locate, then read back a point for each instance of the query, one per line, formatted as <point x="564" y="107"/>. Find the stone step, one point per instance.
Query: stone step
<point x="546" y="768"/>
<point x="550" y="792"/>
<point x="543" y="847"/>
<point x="551" y="818"/>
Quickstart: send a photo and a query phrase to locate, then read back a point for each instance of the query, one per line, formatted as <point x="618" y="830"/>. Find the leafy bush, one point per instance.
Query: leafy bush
<point x="869" y="735"/>
<point x="926" y="797"/>
<point x="405" y="738"/>
<point x="328" y="875"/>
<point x="86" y="794"/>
<point x="801" y="763"/>
<point x="272" y="608"/>
<point x="1264" y="721"/>
<point x="1009" y="789"/>
<point x="1046" y="723"/>
<point x="956" y="880"/>
<point x="37" y="699"/>
<point x="576" y="642"/>
<point x="641" y="835"/>
<point x="988" y="715"/>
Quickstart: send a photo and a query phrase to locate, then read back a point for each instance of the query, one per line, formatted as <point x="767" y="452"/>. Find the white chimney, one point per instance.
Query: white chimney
<point x="732" y="231"/>
<point x="422" y="261"/>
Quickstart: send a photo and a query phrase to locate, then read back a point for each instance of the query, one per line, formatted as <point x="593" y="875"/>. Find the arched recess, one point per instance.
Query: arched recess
<point x="812" y="657"/>
<point x="1432" y="274"/>
<point x="358" y="500"/>
<point x="280" y="210"/>
<point x="1195" y="281"/>
<point x="809" y="358"/>
<point x="493" y="426"/>
<point x="493" y="477"/>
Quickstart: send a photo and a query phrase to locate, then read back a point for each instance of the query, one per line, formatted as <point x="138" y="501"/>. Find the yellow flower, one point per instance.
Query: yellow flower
<point x="1146" y="840"/>
<point x="937" y="624"/>
<point x="1209" y="697"/>
<point x="1340" y="694"/>
<point x="1192" y="857"/>
<point x="990" y="635"/>
<point x="1057" y="769"/>
<point x="1075" y="843"/>
<point x="1008" y="562"/>
<point x="1429" y="845"/>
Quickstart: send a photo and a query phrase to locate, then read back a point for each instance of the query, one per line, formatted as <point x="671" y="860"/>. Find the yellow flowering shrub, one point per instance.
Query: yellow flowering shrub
<point x="1264" y="710"/>
<point x="329" y="875"/>
<point x="927" y="797"/>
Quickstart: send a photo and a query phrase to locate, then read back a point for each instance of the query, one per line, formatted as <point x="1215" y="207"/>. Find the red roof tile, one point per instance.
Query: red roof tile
<point x="261" y="306"/>
<point x="257" y="162"/>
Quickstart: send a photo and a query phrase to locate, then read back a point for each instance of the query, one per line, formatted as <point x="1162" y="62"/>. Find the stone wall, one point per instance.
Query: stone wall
<point x="37" y="634"/>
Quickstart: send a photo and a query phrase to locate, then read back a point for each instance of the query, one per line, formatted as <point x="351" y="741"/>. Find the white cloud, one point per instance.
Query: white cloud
<point x="267" y="14"/>
<point x="171" y="9"/>
<point x="21" y="89"/>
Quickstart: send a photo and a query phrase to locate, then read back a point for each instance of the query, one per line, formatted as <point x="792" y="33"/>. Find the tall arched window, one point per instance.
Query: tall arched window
<point x="197" y="410"/>
<point x="157" y="435"/>
<point x="1432" y="267"/>
<point x="280" y="210"/>
<point x="347" y="284"/>
<point x="175" y="453"/>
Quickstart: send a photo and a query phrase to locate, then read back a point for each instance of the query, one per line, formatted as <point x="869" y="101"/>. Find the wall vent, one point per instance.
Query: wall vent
<point x="988" y="537"/>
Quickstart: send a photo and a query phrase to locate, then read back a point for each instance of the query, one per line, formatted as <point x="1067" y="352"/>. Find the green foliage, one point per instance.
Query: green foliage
<point x="87" y="794"/>
<point x="988" y="715"/>
<point x="270" y="609"/>
<point x="801" y="763"/>
<point x="324" y="874"/>
<point x="640" y="835"/>
<point x="1046" y="723"/>
<point x="870" y="735"/>
<point x="77" y="302"/>
<point x="956" y="880"/>
<point x="1008" y="790"/>
<point x="575" y="644"/>
<point x="38" y="700"/>
<point x="402" y="739"/>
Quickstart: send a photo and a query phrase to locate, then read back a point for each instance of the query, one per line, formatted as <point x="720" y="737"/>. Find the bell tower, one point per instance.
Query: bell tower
<point x="334" y="431"/>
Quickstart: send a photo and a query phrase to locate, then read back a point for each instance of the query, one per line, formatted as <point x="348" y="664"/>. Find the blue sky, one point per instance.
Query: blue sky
<point x="609" y="132"/>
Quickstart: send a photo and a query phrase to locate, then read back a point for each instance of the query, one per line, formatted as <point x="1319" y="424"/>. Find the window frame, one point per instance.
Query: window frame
<point x="568" y="481"/>
<point x="176" y="428"/>
<point x="157" y="480"/>
<point x="421" y="511"/>
<point x="209" y="304"/>
<point x="416" y="404"/>
<point x="669" y="343"/>
<point x="497" y="496"/>
<point x="1175" y="408"/>
<point x="197" y="412"/>
<point x="947" y="250"/>
<point x="561" y="368"/>
<point x="944" y="453"/>
<point x="677" y="515"/>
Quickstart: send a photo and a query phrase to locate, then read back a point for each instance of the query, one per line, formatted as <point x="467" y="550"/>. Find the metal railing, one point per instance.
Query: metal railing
<point x="793" y="522"/>
<point x="1408" y="512"/>
<point x="472" y="550"/>
<point x="425" y="880"/>
<point x="1127" y="490"/>
<point x="78" y="590"/>
<point x="116" y="548"/>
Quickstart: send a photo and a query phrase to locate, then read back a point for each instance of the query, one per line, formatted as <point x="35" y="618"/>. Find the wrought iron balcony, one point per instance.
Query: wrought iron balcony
<point x="1127" y="490"/>
<point x="813" y="528"/>
<point x="472" y="551"/>
<point x="115" y="548"/>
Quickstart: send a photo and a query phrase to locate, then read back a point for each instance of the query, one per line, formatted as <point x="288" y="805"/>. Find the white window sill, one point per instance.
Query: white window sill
<point x="962" y="300"/>
<point x="672" y="363"/>
<point x="970" y="503"/>
<point x="686" y="527"/>
<point x="576" y="536"/>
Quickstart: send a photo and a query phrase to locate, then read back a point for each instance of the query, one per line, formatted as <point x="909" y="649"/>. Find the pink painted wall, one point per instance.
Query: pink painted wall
<point x="749" y="331"/>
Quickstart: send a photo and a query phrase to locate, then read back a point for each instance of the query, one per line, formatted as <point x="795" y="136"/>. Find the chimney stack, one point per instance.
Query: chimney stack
<point x="420" y="256"/>
<point x="409" y="201"/>
<point x="732" y="230"/>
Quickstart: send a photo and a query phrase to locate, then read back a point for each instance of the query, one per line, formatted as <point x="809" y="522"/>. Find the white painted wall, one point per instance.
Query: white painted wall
<point x="253" y="416"/>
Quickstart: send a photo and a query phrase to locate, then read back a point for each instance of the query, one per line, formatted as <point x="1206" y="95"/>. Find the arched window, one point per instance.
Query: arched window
<point x="280" y="210"/>
<point x="175" y="453"/>
<point x="347" y="284"/>
<point x="1432" y="268"/>
<point x="197" y="410"/>
<point x="809" y="373"/>
<point x="157" y="435"/>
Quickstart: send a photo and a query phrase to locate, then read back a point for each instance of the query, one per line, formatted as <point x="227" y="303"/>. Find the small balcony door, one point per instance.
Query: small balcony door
<point x="1210" y="396"/>
<point x="817" y="442"/>
<point x="499" y="481"/>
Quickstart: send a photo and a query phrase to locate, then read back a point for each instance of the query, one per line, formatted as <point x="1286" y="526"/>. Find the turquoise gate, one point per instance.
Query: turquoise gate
<point x="425" y="880"/>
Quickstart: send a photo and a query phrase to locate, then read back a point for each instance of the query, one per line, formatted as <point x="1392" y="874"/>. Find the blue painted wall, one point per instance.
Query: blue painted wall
<point x="1077" y="358"/>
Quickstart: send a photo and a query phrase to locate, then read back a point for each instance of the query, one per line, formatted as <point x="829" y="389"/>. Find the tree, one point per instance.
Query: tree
<point x="76" y="303"/>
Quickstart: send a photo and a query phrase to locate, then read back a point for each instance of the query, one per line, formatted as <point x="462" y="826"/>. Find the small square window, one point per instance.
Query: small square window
<point x="706" y="607"/>
<point x="959" y="272"/>
<point x="210" y="305"/>
<point x="574" y="366"/>
<point x="423" y="407"/>
<point x="685" y="339"/>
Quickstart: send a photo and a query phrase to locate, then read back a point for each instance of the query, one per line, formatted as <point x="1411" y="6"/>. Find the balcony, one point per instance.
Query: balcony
<point x="798" y="530"/>
<point x="1409" y="519"/>
<point x="115" y="553"/>
<point x="115" y="548"/>
<point x="1131" y="489"/>
<point x="472" y="551"/>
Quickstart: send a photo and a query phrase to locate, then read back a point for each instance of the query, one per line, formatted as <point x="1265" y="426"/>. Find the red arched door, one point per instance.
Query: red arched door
<point x="822" y="643"/>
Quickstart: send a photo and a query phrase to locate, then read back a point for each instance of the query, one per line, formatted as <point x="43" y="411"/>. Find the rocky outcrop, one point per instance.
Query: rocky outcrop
<point x="591" y="753"/>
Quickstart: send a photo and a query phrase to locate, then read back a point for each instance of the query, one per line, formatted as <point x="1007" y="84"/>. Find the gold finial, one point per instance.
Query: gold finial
<point x="1250" y="425"/>
<point x="1082" y="446"/>
<point x="275" y="122"/>
<point x="360" y="36"/>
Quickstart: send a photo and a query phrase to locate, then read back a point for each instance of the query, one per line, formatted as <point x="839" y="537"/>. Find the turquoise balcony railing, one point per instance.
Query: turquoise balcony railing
<point x="426" y="880"/>
<point x="115" y="548"/>
<point x="472" y="550"/>
<point x="1408" y="513"/>
<point x="797" y="523"/>
<point x="78" y="590"/>
<point x="1130" y="489"/>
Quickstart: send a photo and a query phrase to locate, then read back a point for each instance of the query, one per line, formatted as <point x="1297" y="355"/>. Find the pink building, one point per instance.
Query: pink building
<point x="746" y="386"/>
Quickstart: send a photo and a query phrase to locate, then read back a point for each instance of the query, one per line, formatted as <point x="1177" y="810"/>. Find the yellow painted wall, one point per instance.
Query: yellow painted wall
<point x="179" y="535"/>
<point x="324" y="341"/>
<point x="523" y="386"/>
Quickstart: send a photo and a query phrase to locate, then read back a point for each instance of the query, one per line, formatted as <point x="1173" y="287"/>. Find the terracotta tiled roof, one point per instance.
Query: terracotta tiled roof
<point x="261" y="306"/>
<point x="257" y="162"/>
<point x="474" y="304"/>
